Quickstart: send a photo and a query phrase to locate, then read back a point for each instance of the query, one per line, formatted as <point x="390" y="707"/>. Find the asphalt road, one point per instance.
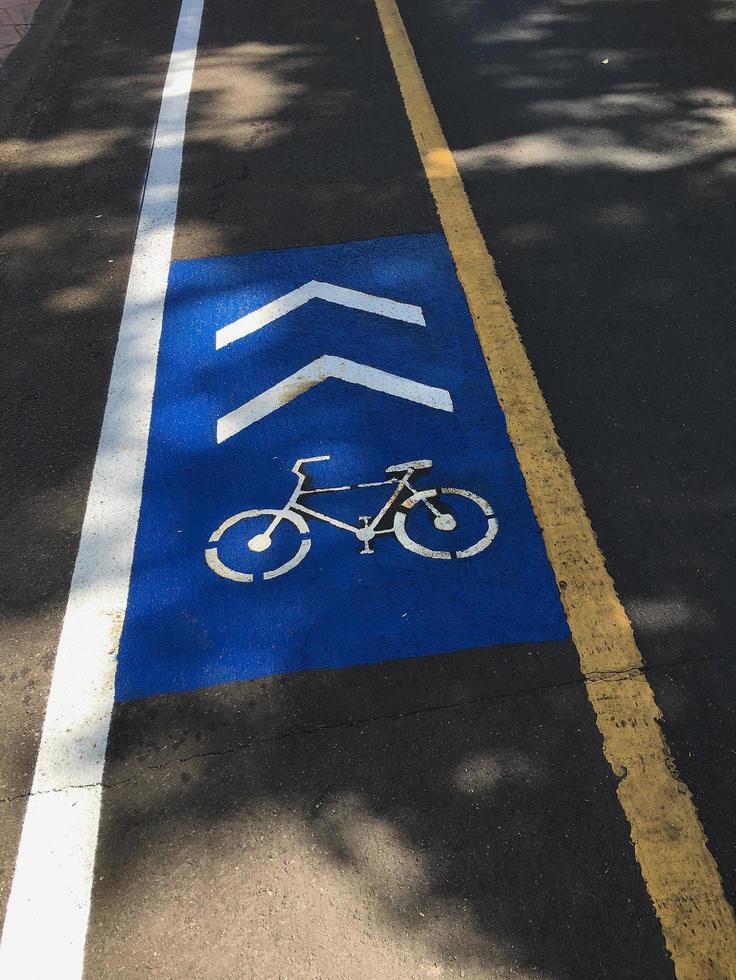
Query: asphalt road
<point x="450" y="815"/>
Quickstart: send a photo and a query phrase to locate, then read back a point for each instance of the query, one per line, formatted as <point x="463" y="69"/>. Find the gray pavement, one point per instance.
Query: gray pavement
<point x="443" y="816"/>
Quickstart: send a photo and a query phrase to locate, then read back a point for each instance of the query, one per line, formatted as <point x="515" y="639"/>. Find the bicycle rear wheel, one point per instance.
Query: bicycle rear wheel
<point x="402" y="535"/>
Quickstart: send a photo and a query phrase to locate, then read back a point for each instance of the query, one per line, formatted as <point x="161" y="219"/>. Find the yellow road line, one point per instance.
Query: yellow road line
<point x="670" y="845"/>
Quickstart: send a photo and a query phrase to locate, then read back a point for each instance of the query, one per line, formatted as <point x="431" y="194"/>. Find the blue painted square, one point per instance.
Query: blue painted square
<point x="187" y="626"/>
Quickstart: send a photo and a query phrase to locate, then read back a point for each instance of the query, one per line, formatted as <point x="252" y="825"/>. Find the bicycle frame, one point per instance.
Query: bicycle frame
<point x="370" y="527"/>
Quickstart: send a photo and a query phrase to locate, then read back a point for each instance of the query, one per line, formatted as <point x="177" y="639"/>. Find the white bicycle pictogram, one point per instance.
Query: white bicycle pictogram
<point x="391" y="519"/>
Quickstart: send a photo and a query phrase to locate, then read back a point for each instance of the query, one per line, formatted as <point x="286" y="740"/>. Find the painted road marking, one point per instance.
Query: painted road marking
<point x="678" y="869"/>
<point x="328" y="291"/>
<point x="48" y="908"/>
<point x="391" y="519"/>
<point x="320" y="370"/>
<point x="239" y="574"/>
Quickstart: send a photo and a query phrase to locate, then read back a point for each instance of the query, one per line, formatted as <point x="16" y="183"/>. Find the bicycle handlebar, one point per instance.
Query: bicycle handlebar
<point x="296" y="468"/>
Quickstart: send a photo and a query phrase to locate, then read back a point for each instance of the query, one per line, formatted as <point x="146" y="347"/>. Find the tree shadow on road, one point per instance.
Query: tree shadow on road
<point x="478" y="831"/>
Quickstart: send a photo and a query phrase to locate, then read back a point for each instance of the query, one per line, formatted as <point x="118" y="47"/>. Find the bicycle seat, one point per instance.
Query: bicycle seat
<point x="414" y="464"/>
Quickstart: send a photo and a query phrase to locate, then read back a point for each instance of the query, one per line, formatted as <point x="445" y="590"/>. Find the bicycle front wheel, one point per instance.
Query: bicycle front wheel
<point x="488" y="523"/>
<point x="254" y="524"/>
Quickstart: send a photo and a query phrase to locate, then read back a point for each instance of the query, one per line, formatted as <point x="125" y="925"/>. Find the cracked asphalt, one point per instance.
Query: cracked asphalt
<point x="450" y="815"/>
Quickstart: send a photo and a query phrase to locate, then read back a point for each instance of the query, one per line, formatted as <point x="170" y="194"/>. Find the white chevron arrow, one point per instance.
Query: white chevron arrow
<point x="313" y="374"/>
<point x="352" y="298"/>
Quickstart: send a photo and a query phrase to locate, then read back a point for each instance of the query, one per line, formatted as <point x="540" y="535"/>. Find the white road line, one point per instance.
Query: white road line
<point x="341" y="295"/>
<point x="48" y="909"/>
<point x="320" y="370"/>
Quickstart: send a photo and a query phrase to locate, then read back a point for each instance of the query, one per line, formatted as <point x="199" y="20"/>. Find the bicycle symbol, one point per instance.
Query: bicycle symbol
<point x="391" y="519"/>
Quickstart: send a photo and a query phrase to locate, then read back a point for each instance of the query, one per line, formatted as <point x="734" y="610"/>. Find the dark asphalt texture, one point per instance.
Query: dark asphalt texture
<point x="452" y="813"/>
<point x="73" y="153"/>
<point x="618" y="262"/>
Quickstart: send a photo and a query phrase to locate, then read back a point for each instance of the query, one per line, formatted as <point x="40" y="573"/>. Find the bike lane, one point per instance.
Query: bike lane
<point x="385" y="819"/>
<point x="421" y="814"/>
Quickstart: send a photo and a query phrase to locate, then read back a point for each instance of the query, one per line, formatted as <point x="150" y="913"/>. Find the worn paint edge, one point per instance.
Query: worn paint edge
<point x="47" y="916"/>
<point x="669" y="842"/>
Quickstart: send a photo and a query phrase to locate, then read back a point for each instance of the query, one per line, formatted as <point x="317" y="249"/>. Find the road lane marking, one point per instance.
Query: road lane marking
<point x="670" y="845"/>
<point x="48" y="908"/>
<point x="217" y="536"/>
<point x="319" y="370"/>
<point x="352" y="298"/>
